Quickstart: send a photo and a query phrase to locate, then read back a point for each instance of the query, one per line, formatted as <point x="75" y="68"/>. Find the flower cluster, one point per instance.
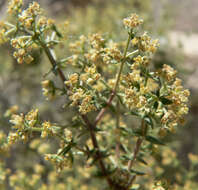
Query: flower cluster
<point x="14" y="6"/>
<point x="3" y="29"/>
<point x="175" y="92"/>
<point x="145" y="44"/>
<point x="77" y="46"/>
<point x="161" y="185"/>
<point x="68" y="135"/>
<point x="59" y="161"/>
<point x="78" y="95"/>
<point x="30" y="23"/>
<point x="157" y="94"/>
<point x="22" y="45"/>
<point x="132" y="21"/>
<point x="140" y="61"/>
<point x="27" y="17"/>
<point x="138" y="87"/>
<point x="111" y="52"/>
<point x="22" y="123"/>
<point x="167" y="99"/>
<point x="94" y="49"/>
<point x="47" y="129"/>
<point x="48" y="89"/>
<point x="168" y="73"/>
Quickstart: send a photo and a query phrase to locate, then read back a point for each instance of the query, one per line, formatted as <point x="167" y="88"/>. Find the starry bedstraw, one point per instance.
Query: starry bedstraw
<point x="100" y="98"/>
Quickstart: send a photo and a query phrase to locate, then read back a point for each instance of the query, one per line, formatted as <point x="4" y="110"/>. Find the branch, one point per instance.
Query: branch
<point x="101" y="113"/>
<point x="136" y="151"/>
<point x="137" y="146"/>
<point x="96" y="146"/>
<point x="53" y="61"/>
<point x="117" y="149"/>
<point x="84" y="117"/>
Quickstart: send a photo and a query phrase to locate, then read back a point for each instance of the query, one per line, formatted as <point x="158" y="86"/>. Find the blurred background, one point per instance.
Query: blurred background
<point x="174" y="22"/>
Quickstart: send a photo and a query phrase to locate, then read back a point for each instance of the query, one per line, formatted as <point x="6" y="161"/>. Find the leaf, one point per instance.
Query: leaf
<point x="124" y="158"/>
<point x="107" y="86"/>
<point x="97" y="129"/>
<point x="66" y="149"/>
<point x="158" y="93"/>
<point x="57" y="32"/>
<point x="132" y="113"/>
<point x="71" y="157"/>
<point x="140" y="159"/>
<point x="137" y="132"/>
<point x="131" y="34"/>
<point x="126" y="131"/>
<point x="137" y="172"/>
<point x="165" y="101"/>
<point x="155" y="105"/>
<point x="124" y="148"/>
<point x="148" y="121"/>
<point x="120" y="99"/>
<point x="154" y="140"/>
<point x="84" y="132"/>
<point x="54" y="70"/>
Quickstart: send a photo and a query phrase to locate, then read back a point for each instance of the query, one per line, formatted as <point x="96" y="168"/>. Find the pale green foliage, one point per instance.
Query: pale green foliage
<point x="102" y="101"/>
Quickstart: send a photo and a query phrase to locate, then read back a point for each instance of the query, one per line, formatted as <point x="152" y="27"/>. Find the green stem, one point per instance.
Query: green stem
<point x="122" y="63"/>
<point x="34" y="129"/>
<point x="101" y="113"/>
<point x="132" y="53"/>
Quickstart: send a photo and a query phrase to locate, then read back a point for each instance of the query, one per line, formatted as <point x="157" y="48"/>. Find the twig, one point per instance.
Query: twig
<point x="117" y="150"/>
<point x="53" y="61"/>
<point x="103" y="110"/>
<point x="137" y="146"/>
<point x="101" y="113"/>
<point x="136" y="151"/>
<point x="98" y="153"/>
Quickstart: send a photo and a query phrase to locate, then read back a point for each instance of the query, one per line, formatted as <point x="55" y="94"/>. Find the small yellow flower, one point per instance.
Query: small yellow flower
<point x="3" y="37"/>
<point x="87" y="105"/>
<point x="13" y="138"/>
<point x="132" y="21"/>
<point x="68" y="134"/>
<point x="14" y="6"/>
<point x="59" y="161"/>
<point x="134" y="41"/>
<point x="47" y="129"/>
<point x="169" y="72"/>
<point x="48" y="89"/>
<point x="73" y="79"/>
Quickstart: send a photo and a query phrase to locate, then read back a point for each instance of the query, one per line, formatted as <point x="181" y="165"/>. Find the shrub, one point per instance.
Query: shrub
<point x="120" y="107"/>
